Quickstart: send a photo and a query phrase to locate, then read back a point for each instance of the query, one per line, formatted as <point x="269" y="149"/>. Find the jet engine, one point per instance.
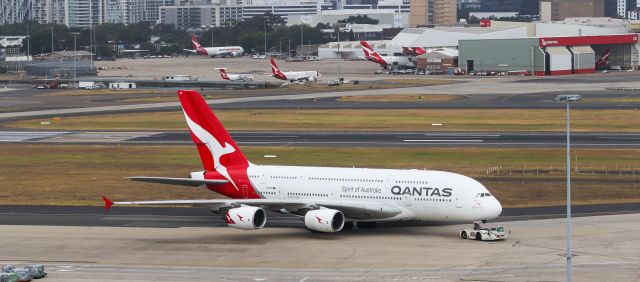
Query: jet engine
<point x="311" y="79"/>
<point x="324" y="220"/>
<point x="247" y="218"/>
<point x="233" y="54"/>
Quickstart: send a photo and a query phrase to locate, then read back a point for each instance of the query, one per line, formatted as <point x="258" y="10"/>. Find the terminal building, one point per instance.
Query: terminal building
<point x="548" y="55"/>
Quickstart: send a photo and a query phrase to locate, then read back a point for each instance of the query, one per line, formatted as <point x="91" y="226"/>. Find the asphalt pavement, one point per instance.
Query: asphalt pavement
<point x="171" y="217"/>
<point x="335" y="139"/>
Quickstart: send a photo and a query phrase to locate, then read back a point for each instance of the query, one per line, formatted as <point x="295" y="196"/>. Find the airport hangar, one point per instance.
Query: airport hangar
<point x="547" y="55"/>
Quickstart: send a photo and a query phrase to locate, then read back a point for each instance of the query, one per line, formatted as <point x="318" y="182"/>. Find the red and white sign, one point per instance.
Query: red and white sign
<point x="485" y="23"/>
<point x="589" y="40"/>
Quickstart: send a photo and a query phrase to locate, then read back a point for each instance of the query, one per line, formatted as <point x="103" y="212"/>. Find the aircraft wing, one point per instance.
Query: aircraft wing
<point x="178" y="181"/>
<point x="352" y="210"/>
<point x="190" y="51"/>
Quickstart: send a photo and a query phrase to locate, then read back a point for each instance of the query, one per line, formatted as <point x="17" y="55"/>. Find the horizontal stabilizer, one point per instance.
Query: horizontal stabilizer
<point x="178" y="181"/>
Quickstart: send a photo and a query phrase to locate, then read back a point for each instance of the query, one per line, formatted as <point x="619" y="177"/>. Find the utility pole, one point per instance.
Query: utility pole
<point x="567" y="99"/>
<point x="301" y="40"/>
<point x="265" y="36"/>
<point x="75" y="68"/>
<point x="339" y="54"/>
<point x="52" y="38"/>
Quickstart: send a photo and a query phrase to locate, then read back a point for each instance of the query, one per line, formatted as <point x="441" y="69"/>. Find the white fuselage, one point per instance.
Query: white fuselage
<point x="301" y="75"/>
<point x="240" y="76"/>
<point x="231" y="51"/>
<point x="421" y="194"/>
<point x="399" y="61"/>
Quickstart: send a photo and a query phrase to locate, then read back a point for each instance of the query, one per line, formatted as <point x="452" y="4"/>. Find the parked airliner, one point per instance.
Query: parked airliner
<point x="224" y="51"/>
<point x="326" y="198"/>
<point x="293" y="75"/>
<point x="386" y="61"/>
<point x="235" y="76"/>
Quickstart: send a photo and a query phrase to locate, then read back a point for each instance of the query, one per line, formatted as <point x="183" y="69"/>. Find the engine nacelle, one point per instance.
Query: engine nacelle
<point x="311" y="79"/>
<point x="234" y="54"/>
<point x="247" y="218"/>
<point x="324" y="220"/>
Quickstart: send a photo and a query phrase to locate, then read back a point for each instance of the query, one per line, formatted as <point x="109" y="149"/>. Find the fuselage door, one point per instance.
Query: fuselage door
<point x="458" y="201"/>
<point x="407" y="200"/>
<point x="245" y="191"/>
<point x="334" y="195"/>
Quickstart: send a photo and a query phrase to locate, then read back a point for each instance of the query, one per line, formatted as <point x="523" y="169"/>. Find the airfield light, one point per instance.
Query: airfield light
<point x="567" y="99"/>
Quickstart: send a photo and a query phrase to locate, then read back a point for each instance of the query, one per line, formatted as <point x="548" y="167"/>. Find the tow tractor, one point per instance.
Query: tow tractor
<point x="482" y="233"/>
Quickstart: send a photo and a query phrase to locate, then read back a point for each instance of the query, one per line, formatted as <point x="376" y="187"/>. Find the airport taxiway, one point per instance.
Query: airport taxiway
<point x="605" y="249"/>
<point x="335" y="139"/>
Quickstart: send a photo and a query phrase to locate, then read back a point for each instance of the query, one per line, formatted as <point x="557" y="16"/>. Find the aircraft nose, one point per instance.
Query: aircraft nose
<point x="495" y="208"/>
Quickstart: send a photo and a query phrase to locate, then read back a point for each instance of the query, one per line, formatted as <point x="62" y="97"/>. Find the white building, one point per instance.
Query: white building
<point x="384" y="17"/>
<point x="621" y="8"/>
<point x="13" y="11"/>
<point x="190" y="17"/>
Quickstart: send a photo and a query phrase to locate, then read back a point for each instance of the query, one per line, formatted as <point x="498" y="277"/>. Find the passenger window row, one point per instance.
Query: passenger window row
<point x="432" y="200"/>
<point x="346" y="179"/>
<point x="370" y="197"/>
<point x="308" y="194"/>
<point x="411" y="182"/>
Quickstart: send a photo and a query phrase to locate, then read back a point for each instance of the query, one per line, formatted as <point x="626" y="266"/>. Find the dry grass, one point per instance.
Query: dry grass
<point x="617" y="100"/>
<point x="78" y="175"/>
<point x="434" y="98"/>
<point x="363" y="120"/>
<point x="85" y="92"/>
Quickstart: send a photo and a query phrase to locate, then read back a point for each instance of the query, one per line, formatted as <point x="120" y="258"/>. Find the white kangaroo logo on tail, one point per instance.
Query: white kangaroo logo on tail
<point x="216" y="149"/>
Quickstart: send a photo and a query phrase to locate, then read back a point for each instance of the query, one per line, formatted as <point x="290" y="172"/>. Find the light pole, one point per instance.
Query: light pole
<point x="75" y="68"/>
<point x="567" y="99"/>
<point x="301" y="40"/>
<point x="211" y="35"/>
<point x="265" y="36"/>
<point x="339" y="55"/>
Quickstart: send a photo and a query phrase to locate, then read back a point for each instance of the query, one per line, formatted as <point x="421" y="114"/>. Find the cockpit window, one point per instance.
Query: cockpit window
<point x="487" y="194"/>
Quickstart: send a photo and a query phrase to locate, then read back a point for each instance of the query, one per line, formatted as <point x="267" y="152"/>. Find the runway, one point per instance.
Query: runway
<point x="169" y="217"/>
<point x="335" y="139"/>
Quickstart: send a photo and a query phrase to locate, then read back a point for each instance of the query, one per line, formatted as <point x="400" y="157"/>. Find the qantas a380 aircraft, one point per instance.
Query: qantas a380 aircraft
<point x="225" y="51"/>
<point x="293" y="75"/>
<point x="327" y="198"/>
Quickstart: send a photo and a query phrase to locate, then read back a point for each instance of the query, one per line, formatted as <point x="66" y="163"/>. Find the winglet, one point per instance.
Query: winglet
<point x="107" y="203"/>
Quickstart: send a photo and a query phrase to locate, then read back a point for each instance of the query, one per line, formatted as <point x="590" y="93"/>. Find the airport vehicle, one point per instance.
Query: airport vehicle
<point x="568" y="98"/>
<point x="88" y="85"/>
<point x="386" y="62"/>
<point x="603" y="61"/>
<point x="293" y="75"/>
<point x="8" y="277"/>
<point x="22" y="273"/>
<point x="326" y="198"/>
<point x="212" y="52"/>
<point x="482" y="233"/>
<point x="235" y="76"/>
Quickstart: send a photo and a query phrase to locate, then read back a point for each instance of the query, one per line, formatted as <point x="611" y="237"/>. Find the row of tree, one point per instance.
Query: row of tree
<point x="250" y="34"/>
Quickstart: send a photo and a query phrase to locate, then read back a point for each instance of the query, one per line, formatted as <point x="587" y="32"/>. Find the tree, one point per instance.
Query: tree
<point x="359" y="19"/>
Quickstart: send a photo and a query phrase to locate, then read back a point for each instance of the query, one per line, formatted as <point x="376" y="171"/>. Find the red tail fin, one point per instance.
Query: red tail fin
<point x="196" y="45"/>
<point x="277" y="73"/>
<point x="223" y="74"/>
<point x="367" y="49"/>
<point x="216" y="148"/>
